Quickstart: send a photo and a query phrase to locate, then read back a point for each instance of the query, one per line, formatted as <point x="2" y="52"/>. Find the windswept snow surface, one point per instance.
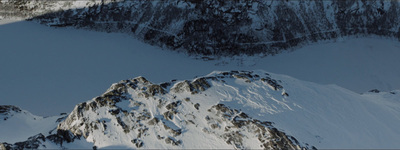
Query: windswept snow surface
<point x="49" y="70"/>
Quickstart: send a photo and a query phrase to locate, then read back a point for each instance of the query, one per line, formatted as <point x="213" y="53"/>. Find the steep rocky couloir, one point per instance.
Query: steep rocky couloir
<point x="220" y="27"/>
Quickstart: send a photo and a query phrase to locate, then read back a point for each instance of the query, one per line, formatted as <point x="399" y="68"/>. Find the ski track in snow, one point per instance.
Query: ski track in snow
<point x="49" y="70"/>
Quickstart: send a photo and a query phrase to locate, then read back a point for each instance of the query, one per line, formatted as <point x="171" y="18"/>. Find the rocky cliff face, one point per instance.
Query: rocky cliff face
<point x="219" y="27"/>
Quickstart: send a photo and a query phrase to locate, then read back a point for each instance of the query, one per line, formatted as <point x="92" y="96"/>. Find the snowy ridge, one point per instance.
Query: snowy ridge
<point x="18" y="125"/>
<point x="138" y="114"/>
<point x="236" y="109"/>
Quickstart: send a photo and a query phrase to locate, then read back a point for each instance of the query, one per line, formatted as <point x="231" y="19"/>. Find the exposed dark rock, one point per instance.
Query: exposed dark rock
<point x="165" y="85"/>
<point x="173" y="141"/>
<point x="124" y="126"/>
<point x="154" y="89"/>
<point x="168" y="115"/>
<point x="61" y="119"/>
<point x="194" y="87"/>
<point x="261" y="129"/>
<point x="273" y="83"/>
<point x="187" y="99"/>
<point x="154" y="121"/>
<point x="5" y="109"/>
<point x="197" y="105"/>
<point x="138" y="143"/>
<point x="285" y="94"/>
<point x="172" y="106"/>
<point x="175" y="132"/>
<point x="374" y="91"/>
<point x="32" y="143"/>
<point x="234" y="138"/>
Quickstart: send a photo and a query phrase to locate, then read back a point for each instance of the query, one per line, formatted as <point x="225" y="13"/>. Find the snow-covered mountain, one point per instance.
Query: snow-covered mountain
<point x="220" y="27"/>
<point x="235" y="109"/>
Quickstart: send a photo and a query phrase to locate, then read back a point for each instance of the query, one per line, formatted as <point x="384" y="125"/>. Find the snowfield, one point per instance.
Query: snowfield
<point x="18" y="126"/>
<point x="56" y="68"/>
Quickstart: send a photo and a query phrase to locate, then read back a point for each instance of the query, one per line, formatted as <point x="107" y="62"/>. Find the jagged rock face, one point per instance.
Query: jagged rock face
<point x="220" y="27"/>
<point x="134" y="112"/>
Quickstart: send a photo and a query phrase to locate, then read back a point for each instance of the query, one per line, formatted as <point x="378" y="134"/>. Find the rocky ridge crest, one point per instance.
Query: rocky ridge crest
<point x="134" y="112"/>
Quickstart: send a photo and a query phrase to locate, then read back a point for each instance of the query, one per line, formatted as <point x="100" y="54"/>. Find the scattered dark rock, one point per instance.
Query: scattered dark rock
<point x="124" y="126"/>
<point x="114" y="111"/>
<point x="4" y="109"/>
<point x="172" y="106"/>
<point x="138" y="143"/>
<point x="32" y="143"/>
<point x="154" y="121"/>
<point x="168" y="115"/>
<point x="165" y="85"/>
<point x="197" y="106"/>
<point x="173" y="141"/>
<point x="374" y="91"/>
<point x="187" y="99"/>
<point x="285" y="94"/>
<point x="194" y="87"/>
<point x="273" y="83"/>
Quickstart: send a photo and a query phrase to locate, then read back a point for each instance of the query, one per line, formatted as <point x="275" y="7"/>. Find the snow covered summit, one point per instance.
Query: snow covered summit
<point x="235" y="109"/>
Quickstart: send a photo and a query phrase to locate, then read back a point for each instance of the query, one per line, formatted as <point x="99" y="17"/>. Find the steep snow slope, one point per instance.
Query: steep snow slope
<point x="60" y="67"/>
<point x="236" y="109"/>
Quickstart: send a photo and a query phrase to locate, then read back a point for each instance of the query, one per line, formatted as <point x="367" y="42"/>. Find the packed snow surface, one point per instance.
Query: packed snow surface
<point x="49" y="70"/>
